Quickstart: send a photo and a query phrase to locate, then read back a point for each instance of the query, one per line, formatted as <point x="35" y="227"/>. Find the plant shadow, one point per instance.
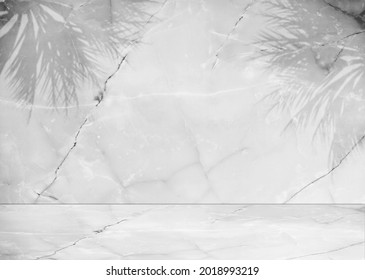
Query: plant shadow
<point x="48" y="49"/>
<point x="318" y="54"/>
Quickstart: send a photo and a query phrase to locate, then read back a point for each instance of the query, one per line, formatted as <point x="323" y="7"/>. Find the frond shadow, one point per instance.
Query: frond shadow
<point x="299" y="35"/>
<point x="49" y="48"/>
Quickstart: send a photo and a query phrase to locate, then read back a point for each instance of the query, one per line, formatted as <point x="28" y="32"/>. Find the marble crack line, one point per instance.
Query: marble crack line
<point x="357" y="210"/>
<point x="230" y="214"/>
<point x="195" y="146"/>
<point x="355" y="17"/>
<point x="329" y="222"/>
<point x="122" y="60"/>
<point x="361" y="139"/>
<point x="242" y="221"/>
<point x="152" y="16"/>
<point x="96" y="232"/>
<point x="330" y="251"/>
<point x="226" y="158"/>
<point x="339" y="218"/>
<point x="341" y="39"/>
<point x="247" y="7"/>
<point x="351" y="35"/>
<point x="99" y="100"/>
<point x="157" y="12"/>
<point x="328" y="66"/>
<point x="307" y="45"/>
<point x="62" y="162"/>
<point x="338" y="55"/>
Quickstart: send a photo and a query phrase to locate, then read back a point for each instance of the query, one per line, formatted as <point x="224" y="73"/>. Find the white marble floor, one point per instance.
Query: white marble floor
<point x="182" y="232"/>
<point x="182" y="129"/>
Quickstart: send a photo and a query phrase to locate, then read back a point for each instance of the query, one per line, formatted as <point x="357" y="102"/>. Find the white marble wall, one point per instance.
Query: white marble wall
<point x="208" y="103"/>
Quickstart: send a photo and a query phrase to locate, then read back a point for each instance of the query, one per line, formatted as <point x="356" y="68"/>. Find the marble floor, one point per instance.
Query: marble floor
<point x="177" y="129"/>
<point x="182" y="232"/>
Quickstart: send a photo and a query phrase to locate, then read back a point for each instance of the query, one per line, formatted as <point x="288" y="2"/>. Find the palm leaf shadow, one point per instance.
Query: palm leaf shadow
<point x="329" y="102"/>
<point x="49" y="49"/>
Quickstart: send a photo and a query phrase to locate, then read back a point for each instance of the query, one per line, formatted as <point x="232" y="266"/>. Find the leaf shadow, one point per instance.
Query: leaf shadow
<point x="49" y="49"/>
<point x="321" y="70"/>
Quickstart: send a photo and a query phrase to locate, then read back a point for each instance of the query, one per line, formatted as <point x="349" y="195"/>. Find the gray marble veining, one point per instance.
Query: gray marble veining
<point x="210" y="101"/>
<point x="191" y="232"/>
<point x="106" y="104"/>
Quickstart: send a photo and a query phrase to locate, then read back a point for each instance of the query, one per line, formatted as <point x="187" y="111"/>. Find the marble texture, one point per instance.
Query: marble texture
<point x="187" y="113"/>
<point x="127" y="125"/>
<point x="191" y="232"/>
